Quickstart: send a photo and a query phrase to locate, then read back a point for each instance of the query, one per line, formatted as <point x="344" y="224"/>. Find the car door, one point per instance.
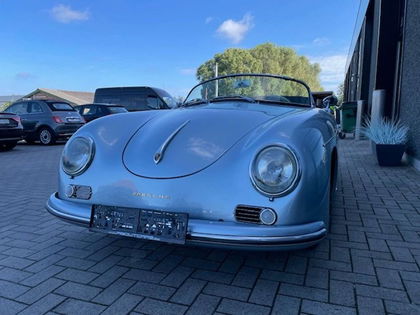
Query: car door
<point x="35" y="116"/>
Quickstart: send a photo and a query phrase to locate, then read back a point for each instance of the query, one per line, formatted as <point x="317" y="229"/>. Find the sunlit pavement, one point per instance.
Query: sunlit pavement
<point x="369" y="263"/>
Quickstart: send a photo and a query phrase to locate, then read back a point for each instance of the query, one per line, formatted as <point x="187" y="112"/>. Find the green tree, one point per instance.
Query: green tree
<point x="4" y="106"/>
<point x="340" y="93"/>
<point x="264" y="58"/>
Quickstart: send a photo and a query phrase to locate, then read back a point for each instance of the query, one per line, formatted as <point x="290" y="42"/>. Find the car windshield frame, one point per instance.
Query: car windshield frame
<point x="310" y="98"/>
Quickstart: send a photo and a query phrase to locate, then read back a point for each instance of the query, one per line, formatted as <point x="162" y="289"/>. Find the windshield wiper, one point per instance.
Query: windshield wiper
<point x="195" y="101"/>
<point x="233" y="97"/>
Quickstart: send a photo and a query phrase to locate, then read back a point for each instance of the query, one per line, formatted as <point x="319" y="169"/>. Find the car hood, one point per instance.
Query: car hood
<point x="181" y="142"/>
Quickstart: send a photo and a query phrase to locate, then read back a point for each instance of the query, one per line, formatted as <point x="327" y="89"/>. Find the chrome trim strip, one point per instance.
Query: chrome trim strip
<point x="159" y="154"/>
<point x="328" y="141"/>
<point x="257" y="239"/>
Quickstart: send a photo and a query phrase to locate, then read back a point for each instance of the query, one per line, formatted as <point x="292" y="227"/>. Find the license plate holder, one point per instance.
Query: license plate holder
<point x="147" y="224"/>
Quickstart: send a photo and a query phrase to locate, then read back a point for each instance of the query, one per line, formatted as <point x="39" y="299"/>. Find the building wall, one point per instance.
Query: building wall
<point x="410" y="77"/>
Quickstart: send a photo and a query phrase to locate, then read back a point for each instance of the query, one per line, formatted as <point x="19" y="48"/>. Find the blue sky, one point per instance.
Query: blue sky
<point x="82" y="45"/>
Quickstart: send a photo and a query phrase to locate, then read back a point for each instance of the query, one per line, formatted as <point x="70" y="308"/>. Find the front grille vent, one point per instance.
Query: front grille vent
<point x="248" y="214"/>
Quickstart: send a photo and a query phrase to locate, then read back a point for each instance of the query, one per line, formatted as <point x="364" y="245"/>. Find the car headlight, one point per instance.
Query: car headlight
<point x="275" y="171"/>
<point x="77" y="155"/>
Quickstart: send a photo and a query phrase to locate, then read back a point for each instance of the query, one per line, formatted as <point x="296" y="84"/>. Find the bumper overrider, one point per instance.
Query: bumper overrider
<point x="214" y="233"/>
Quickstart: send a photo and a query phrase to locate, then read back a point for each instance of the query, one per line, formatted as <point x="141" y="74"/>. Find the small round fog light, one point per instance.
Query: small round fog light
<point x="268" y="216"/>
<point x="69" y="191"/>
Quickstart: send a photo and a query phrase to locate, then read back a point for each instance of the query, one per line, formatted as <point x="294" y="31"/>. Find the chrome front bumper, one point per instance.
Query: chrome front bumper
<point x="215" y="233"/>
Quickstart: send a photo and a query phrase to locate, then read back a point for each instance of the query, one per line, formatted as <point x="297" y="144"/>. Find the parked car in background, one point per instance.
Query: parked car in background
<point x="46" y="120"/>
<point x="247" y="161"/>
<point x="135" y="98"/>
<point x="90" y="112"/>
<point x="11" y="131"/>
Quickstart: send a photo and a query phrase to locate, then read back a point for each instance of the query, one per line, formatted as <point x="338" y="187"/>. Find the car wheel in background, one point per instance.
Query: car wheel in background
<point x="6" y="146"/>
<point x="46" y="136"/>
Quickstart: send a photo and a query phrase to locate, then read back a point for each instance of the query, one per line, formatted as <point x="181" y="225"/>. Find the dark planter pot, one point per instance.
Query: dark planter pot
<point x="389" y="154"/>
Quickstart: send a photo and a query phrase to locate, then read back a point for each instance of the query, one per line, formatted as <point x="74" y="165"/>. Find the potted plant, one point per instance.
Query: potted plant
<point x="389" y="137"/>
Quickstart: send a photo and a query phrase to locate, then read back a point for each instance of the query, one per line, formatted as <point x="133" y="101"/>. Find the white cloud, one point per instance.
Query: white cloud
<point x="332" y="70"/>
<point x="235" y="31"/>
<point x="321" y="41"/>
<point x="188" y="71"/>
<point x="209" y="19"/>
<point x="65" y="14"/>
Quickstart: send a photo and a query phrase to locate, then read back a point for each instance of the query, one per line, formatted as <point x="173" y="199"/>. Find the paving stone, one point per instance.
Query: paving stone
<point x="228" y="306"/>
<point x="401" y="308"/>
<point x="313" y="307"/>
<point x="78" y="291"/>
<point x="43" y="305"/>
<point x="40" y="291"/>
<point x="383" y="293"/>
<point x="204" y="304"/>
<point x="72" y="306"/>
<point x="113" y="292"/>
<point x="10" y="307"/>
<point x="154" y="307"/>
<point x="188" y="291"/>
<point x="11" y="290"/>
<point x="286" y="305"/>
<point x="41" y="276"/>
<point x="264" y="292"/>
<point x="389" y="278"/>
<point x="342" y="293"/>
<point x="75" y="275"/>
<point x="125" y="304"/>
<point x="304" y="292"/>
<point x="246" y="277"/>
<point x="227" y="291"/>
<point x="14" y="275"/>
<point x="152" y="290"/>
<point x="213" y="276"/>
<point x="370" y="306"/>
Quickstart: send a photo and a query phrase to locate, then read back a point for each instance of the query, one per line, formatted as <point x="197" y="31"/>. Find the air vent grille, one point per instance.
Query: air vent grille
<point x="248" y="214"/>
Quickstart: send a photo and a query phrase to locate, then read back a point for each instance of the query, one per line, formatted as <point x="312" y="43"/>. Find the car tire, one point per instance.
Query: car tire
<point x="7" y="146"/>
<point x="342" y="135"/>
<point x="46" y="136"/>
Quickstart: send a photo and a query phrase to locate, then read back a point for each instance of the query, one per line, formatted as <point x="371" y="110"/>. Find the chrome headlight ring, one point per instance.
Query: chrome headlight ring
<point x="275" y="170"/>
<point x="77" y="155"/>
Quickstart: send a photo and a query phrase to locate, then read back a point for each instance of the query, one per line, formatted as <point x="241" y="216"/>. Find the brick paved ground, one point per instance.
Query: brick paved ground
<point x="369" y="263"/>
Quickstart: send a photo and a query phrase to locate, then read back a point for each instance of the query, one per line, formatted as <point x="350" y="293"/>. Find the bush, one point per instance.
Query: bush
<point x="385" y="131"/>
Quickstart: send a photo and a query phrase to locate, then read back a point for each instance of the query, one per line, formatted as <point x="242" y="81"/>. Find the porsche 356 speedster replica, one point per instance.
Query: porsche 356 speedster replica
<point x="246" y="161"/>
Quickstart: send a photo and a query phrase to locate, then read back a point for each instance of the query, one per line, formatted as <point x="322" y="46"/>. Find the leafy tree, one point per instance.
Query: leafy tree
<point x="340" y="93"/>
<point x="4" y="106"/>
<point x="264" y="58"/>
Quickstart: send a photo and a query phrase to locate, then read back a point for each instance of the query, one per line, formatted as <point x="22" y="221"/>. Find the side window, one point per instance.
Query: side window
<point x="19" y="108"/>
<point x="152" y="102"/>
<point x="36" y="108"/>
<point x="86" y="110"/>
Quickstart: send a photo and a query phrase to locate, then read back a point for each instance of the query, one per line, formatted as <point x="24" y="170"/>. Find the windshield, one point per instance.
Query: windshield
<point x="117" y="109"/>
<point x="256" y="88"/>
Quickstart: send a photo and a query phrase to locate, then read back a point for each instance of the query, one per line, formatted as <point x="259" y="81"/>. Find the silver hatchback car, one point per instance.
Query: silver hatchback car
<point x="46" y="120"/>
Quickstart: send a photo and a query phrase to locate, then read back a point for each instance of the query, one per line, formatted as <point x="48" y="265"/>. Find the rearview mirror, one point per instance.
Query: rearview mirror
<point x="331" y="100"/>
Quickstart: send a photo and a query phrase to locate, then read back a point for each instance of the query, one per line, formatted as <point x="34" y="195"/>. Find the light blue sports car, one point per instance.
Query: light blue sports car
<point x="247" y="161"/>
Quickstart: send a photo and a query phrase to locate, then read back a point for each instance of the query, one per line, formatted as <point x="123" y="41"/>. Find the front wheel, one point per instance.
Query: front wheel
<point x="46" y="136"/>
<point x="6" y="146"/>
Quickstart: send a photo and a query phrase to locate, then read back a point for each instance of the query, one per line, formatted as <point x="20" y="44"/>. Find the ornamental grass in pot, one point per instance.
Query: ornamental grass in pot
<point x="389" y="137"/>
